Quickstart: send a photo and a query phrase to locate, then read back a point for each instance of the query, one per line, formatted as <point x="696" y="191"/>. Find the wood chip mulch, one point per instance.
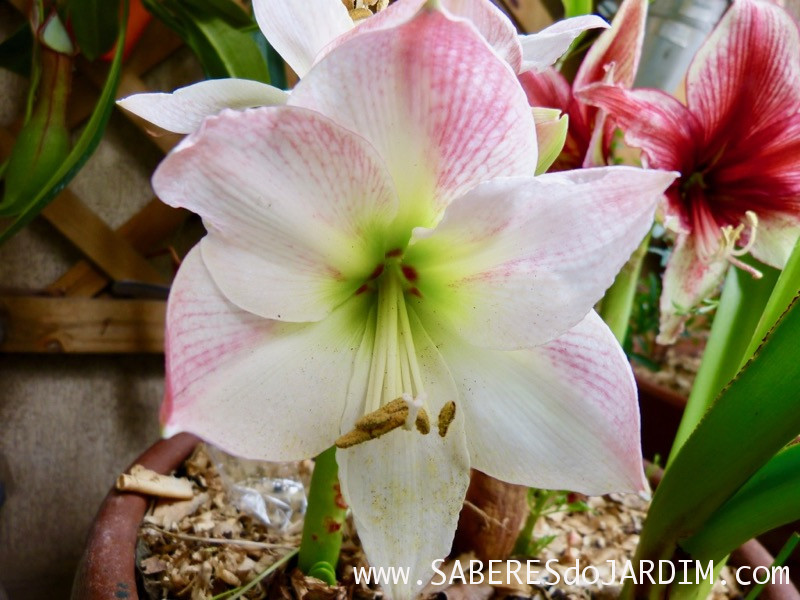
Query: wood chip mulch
<point x="204" y="547"/>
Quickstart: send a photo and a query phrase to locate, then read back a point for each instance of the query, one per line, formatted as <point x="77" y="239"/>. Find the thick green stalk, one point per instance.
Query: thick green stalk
<point x="618" y="301"/>
<point x="740" y="306"/>
<point x="322" y="529"/>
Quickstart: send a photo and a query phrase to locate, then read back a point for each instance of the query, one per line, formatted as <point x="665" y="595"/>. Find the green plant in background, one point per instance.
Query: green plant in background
<point x="224" y="38"/>
<point x="43" y="161"/>
<point x="542" y="503"/>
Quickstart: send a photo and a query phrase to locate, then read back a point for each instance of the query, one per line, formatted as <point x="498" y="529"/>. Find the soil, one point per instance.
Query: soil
<point x="206" y="548"/>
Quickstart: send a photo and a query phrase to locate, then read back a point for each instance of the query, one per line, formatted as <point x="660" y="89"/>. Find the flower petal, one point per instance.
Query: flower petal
<point x="652" y="120"/>
<point x="493" y="25"/>
<point x="518" y="261"/>
<point x="748" y="66"/>
<point x="299" y="33"/>
<point x="547" y="88"/>
<point x="489" y="20"/>
<point x="183" y="110"/>
<point x="775" y="238"/>
<point x="255" y="387"/>
<point x="620" y="46"/>
<point x="559" y="416"/>
<point x="406" y="489"/>
<point x="542" y="49"/>
<point x="463" y="121"/>
<point x="687" y="281"/>
<point x="289" y="199"/>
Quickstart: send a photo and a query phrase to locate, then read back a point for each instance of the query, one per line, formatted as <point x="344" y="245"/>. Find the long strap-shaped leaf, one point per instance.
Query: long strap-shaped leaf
<point x="770" y="499"/>
<point x="84" y="147"/>
<point x="753" y="419"/>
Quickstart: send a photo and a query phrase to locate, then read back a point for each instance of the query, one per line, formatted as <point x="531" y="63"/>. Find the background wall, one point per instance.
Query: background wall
<point x="70" y="423"/>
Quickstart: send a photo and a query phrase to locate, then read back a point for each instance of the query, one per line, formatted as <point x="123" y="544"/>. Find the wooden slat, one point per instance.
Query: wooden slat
<point x="144" y="231"/>
<point x="102" y="245"/>
<point x="81" y="325"/>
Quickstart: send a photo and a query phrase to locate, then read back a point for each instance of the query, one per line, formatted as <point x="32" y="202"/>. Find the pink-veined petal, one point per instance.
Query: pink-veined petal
<point x="493" y="25"/>
<point x="300" y="32"/>
<point x="255" y="387"/>
<point x="688" y="280"/>
<point x="547" y="88"/>
<point x="620" y="45"/>
<point x="406" y="489"/>
<point x="521" y="260"/>
<point x="292" y="202"/>
<point x="748" y="66"/>
<point x="490" y="22"/>
<point x="183" y="110"/>
<point x="559" y="416"/>
<point x="462" y="120"/>
<point x="542" y="49"/>
<point x="652" y="120"/>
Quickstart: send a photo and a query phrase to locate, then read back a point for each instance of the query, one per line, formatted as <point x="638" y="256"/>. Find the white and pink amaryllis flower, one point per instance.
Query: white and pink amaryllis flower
<point x="737" y="145"/>
<point x="304" y="32"/>
<point x="613" y="58"/>
<point x="380" y="237"/>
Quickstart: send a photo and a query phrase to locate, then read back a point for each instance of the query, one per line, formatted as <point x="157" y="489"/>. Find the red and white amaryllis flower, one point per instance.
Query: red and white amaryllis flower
<point x="613" y="59"/>
<point x="380" y="237"/>
<point x="737" y="145"/>
<point x="303" y="33"/>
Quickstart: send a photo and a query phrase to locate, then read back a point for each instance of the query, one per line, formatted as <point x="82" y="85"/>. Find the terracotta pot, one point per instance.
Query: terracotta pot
<point x="107" y="569"/>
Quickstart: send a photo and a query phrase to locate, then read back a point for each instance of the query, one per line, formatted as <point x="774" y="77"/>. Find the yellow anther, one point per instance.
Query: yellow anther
<point x="387" y="418"/>
<point x="446" y="416"/>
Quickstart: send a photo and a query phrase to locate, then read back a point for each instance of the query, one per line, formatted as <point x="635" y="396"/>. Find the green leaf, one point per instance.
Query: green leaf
<point x="753" y="419"/>
<point x="83" y="148"/>
<point x="784" y="290"/>
<point x="16" y="51"/>
<point x="575" y="8"/>
<point x="219" y="33"/>
<point x="741" y="304"/>
<point x="770" y="498"/>
<point x="94" y="24"/>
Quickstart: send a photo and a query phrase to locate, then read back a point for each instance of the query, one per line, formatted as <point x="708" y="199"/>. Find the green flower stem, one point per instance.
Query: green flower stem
<point x="618" y="301"/>
<point x="322" y="530"/>
<point x="740" y="306"/>
<point x="540" y="499"/>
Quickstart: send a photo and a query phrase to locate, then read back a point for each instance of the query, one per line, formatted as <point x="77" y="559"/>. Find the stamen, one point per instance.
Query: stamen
<point x="446" y="416"/>
<point x="387" y="418"/>
<point x="752" y="220"/>
<point x="731" y="235"/>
